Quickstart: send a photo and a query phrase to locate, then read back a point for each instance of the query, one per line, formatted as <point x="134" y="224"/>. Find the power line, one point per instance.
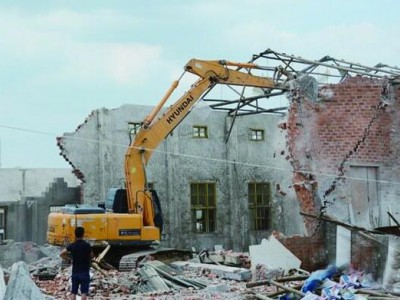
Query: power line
<point x="191" y="156"/>
<point x="27" y="130"/>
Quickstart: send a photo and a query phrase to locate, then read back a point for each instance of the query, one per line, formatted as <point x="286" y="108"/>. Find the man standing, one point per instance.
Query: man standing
<point x="81" y="253"/>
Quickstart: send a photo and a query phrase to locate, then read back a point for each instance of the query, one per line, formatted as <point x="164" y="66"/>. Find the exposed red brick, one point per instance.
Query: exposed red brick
<point x="322" y="135"/>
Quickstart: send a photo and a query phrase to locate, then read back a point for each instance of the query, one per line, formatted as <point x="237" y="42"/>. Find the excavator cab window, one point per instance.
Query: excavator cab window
<point x="117" y="201"/>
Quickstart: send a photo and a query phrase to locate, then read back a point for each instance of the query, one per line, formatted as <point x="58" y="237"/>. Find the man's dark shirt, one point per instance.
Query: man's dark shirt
<point x="81" y="256"/>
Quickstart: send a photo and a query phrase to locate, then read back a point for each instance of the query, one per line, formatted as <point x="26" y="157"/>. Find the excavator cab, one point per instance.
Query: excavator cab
<point x="117" y="201"/>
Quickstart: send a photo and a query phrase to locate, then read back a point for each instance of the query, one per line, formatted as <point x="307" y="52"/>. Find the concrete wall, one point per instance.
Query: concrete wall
<point x="27" y="194"/>
<point x="97" y="151"/>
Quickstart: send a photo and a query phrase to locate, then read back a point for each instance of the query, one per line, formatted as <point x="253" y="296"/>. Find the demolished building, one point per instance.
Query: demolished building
<point x="183" y="162"/>
<point x="27" y="197"/>
<point x="333" y="151"/>
<point x="319" y="175"/>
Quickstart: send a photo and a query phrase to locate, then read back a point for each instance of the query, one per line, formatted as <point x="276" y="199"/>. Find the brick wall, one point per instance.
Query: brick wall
<point x="353" y="123"/>
<point x="352" y="126"/>
<point x="310" y="250"/>
<point x="369" y="254"/>
<point x="322" y="137"/>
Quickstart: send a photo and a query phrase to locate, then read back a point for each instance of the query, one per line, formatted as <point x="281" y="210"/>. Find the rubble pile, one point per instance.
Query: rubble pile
<point x="29" y="252"/>
<point x="152" y="280"/>
<point x="210" y="275"/>
<point x="20" y="284"/>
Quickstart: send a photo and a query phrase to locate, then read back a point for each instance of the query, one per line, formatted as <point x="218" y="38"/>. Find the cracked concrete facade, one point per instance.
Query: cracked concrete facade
<point x="343" y="149"/>
<point x="97" y="149"/>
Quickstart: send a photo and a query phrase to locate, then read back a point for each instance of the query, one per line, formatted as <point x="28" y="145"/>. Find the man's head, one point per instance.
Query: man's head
<point x="79" y="232"/>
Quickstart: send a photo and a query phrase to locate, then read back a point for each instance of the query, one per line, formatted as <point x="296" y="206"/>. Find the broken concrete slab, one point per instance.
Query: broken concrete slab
<point x="12" y="252"/>
<point x="233" y="259"/>
<point x="50" y="251"/>
<point x="21" y="286"/>
<point x="273" y="254"/>
<point x="226" y="272"/>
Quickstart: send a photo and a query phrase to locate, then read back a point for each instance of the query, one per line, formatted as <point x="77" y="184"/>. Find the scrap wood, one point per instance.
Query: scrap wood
<point x="277" y="284"/>
<point x="99" y="263"/>
<point x="281" y="279"/>
<point x="274" y="294"/>
<point x="106" y="266"/>
<point x="292" y="278"/>
<point x="373" y="293"/>
<point x="287" y="288"/>
<point x="382" y="298"/>
<point x="96" y="267"/>
<point x="262" y="297"/>
<point x="102" y="254"/>
<point x="325" y="217"/>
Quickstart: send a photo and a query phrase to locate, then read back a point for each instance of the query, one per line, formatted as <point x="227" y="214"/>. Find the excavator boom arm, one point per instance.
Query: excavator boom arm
<point x="154" y="132"/>
<point x="146" y="141"/>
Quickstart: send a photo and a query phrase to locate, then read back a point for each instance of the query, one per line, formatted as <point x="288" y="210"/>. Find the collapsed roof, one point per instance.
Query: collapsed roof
<point x="327" y="70"/>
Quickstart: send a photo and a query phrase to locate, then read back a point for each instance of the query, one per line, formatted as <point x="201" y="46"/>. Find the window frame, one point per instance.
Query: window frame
<point x="3" y="225"/>
<point x="260" y="212"/>
<point x="197" y="132"/>
<point x="134" y="127"/>
<point x="203" y="207"/>
<point x="3" y="211"/>
<point x="253" y="134"/>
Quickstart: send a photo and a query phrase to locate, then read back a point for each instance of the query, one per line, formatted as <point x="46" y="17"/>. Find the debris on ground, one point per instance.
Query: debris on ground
<point x="218" y="274"/>
<point x="20" y="284"/>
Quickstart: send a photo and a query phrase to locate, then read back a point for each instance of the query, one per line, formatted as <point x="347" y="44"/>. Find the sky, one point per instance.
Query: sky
<point x="59" y="60"/>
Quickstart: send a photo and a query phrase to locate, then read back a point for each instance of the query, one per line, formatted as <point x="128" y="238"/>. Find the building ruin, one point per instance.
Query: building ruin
<point x="331" y="148"/>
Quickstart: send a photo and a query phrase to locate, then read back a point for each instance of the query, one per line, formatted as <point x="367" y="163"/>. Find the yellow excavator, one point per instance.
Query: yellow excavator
<point x="131" y="217"/>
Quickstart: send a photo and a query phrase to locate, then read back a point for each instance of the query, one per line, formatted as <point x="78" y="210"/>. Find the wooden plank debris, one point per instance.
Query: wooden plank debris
<point x="328" y="218"/>
<point x="296" y="287"/>
<point x="262" y="297"/>
<point x="281" y="279"/>
<point x="286" y="288"/>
